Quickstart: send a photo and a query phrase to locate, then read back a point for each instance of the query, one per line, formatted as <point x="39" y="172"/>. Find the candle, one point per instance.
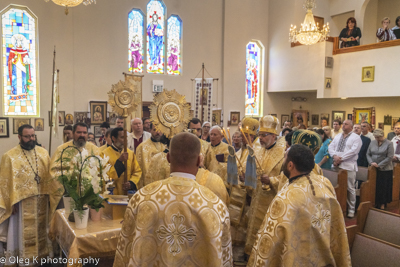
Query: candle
<point x="229" y="135"/>
<point x="224" y="134"/>
<point x="248" y="136"/>
<point x="245" y="138"/>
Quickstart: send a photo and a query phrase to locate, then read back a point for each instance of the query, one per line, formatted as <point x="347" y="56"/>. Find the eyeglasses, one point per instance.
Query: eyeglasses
<point x="207" y="127"/>
<point x="29" y="136"/>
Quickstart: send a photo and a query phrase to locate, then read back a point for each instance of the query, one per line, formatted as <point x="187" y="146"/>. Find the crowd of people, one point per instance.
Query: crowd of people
<point x="351" y="34"/>
<point x="206" y="198"/>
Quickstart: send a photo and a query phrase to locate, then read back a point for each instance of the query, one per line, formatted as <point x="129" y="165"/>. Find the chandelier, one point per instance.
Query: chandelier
<point x="71" y="3"/>
<point x="309" y="33"/>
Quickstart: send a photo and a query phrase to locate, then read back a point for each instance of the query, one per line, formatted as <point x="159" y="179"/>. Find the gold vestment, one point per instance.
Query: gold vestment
<point x="144" y="152"/>
<point x="271" y="161"/>
<point x="222" y="148"/>
<point x="210" y="162"/>
<point x="102" y="148"/>
<point x="133" y="169"/>
<point x="175" y="222"/>
<point x="159" y="170"/>
<point x="301" y="229"/>
<point x="19" y="187"/>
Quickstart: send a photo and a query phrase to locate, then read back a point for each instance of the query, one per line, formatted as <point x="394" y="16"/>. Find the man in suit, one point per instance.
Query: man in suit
<point x="362" y="155"/>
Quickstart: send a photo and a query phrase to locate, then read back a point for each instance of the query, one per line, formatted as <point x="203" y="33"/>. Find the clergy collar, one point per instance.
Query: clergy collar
<point x="154" y="140"/>
<point x="291" y="180"/>
<point x="115" y="148"/>
<point x="271" y="146"/>
<point x="216" y="145"/>
<point x="184" y="175"/>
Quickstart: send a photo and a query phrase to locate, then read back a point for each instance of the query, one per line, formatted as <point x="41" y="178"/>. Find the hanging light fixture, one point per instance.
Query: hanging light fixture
<point x="309" y="33"/>
<point x="71" y="3"/>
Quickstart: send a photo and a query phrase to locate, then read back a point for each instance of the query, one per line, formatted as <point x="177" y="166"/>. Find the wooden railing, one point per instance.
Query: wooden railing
<point x="337" y="50"/>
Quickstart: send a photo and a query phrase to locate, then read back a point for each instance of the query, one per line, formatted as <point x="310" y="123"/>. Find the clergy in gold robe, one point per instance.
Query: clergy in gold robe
<point x="160" y="169"/>
<point x="176" y="222"/>
<point x="79" y="142"/>
<point x="117" y="158"/>
<point x="304" y="225"/>
<point x="270" y="157"/>
<point x="220" y="150"/>
<point x="146" y="150"/>
<point x="26" y="190"/>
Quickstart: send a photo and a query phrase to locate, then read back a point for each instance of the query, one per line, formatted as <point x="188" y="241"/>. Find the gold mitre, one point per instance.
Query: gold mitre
<point x="169" y="112"/>
<point x="250" y="125"/>
<point x="269" y="124"/>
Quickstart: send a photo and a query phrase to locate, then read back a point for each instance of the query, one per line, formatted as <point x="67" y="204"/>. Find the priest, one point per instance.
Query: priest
<point x="176" y="222"/>
<point x="28" y="198"/>
<point x="79" y="142"/>
<point x="117" y="157"/>
<point x="220" y="150"/>
<point x="146" y="150"/>
<point x="304" y="225"/>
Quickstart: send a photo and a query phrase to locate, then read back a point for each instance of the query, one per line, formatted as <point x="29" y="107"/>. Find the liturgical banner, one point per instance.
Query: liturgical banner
<point x="203" y="97"/>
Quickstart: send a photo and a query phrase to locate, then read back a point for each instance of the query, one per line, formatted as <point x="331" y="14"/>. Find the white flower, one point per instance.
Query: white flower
<point x="84" y="153"/>
<point x="105" y="172"/>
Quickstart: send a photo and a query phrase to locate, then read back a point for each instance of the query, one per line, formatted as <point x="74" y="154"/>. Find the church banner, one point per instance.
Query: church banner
<point x="203" y="98"/>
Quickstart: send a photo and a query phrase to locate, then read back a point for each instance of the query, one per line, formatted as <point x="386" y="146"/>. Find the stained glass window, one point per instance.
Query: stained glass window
<point x="254" y="78"/>
<point x="174" y="35"/>
<point x="156" y="11"/>
<point x="135" y="26"/>
<point x="19" y="60"/>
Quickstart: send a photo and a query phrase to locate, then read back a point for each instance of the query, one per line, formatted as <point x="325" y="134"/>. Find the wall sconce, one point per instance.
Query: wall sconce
<point x="299" y="99"/>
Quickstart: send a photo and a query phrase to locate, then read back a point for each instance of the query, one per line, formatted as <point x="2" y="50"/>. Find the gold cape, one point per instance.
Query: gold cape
<point x="175" y="222"/>
<point x="222" y="148"/>
<point x="144" y="152"/>
<point x="301" y="229"/>
<point x="133" y="169"/>
<point x="159" y="169"/>
<point x="210" y="162"/>
<point x="55" y="167"/>
<point x="271" y="161"/>
<point x="17" y="179"/>
<point x="102" y="148"/>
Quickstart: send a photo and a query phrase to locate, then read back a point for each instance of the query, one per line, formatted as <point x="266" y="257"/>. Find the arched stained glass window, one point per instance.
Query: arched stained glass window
<point x="254" y="78"/>
<point x="19" y="53"/>
<point x="136" y="30"/>
<point x="156" y="12"/>
<point x="174" y="35"/>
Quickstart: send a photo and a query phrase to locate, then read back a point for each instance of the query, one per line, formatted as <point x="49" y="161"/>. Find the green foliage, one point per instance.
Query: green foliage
<point x="97" y="203"/>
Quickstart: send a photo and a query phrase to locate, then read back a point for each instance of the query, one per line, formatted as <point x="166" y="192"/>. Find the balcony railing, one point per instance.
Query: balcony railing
<point x="337" y="50"/>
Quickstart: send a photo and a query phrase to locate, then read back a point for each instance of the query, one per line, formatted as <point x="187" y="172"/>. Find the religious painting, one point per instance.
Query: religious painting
<point x="204" y="96"/>
<point x="394" y="121"/>
<point x="97" y="132"/>
<point x="328" y="62"/>
<point x="368" y="74"/>
<point x="361" y="115"/>
<point x="4" y="128"/>
<point x="314" y="119"/>
<point x="254" y="78"/>
<point x="283" y="119"/>
<point x="387" y="120"/>
<point x="235" y="118"/>
<point x="380" y="125"/>
<point x="324" y="119"/>
<point x="39" y="124"/>
<point x="350" y="117"/>
<point x="19" y="61"/>
<point x="174" y="37"/>
<point x="135" y="42"/>
<point x="156" y="11"/>
<point x="69" y="119"/>
<point x="300" y="117"/>
<point x="112" y="118"/>
<point x="61" y="118"/>
<point x="338" y="115"/>
<point x="18" y="123"/>
<point x="216" y="117"/>
<point x="98" y="112"/>
<point x="81" y="116"/>
<point x="328" y="83"/>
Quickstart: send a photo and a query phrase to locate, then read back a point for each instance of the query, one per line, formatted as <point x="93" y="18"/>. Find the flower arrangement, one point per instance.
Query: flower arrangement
<point x="84" y="177"/>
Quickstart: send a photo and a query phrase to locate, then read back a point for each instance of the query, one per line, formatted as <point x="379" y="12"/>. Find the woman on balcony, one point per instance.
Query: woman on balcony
<point x="380" y="154"/>
<point x="350" y="36"/>
<point x="396" y="29"/>
<point x="385" y="33"/>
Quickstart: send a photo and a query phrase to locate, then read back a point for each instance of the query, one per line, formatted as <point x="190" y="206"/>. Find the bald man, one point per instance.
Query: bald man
<point x="344" y="150"/>
<point x="137" y="136"/>
<point x="176" y="221"/>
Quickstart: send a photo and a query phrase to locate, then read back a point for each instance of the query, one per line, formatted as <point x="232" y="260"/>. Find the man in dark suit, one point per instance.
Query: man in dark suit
<point x="362" y="155"/>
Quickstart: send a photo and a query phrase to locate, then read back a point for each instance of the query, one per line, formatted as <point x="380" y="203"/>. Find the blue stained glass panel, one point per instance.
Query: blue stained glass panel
<point x="254" y="77"/>
<point x="174" y="35"/>
<point x="136" y="30"/>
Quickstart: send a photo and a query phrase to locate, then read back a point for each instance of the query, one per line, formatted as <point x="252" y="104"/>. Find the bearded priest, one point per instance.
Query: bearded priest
<point x="117" y="157"/>
<point x="26" y="189"/>
<point x="176" y="222"/>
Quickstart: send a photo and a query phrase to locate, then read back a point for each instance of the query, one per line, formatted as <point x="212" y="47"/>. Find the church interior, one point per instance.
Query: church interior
<point x="246" y="52"/>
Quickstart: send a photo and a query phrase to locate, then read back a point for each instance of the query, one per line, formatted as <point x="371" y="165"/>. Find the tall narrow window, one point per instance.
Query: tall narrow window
<point x="174" y="33"/>
<point x="254" y="78"/>
<point x="156" y="11"/>
<point x="136" y="30"/>
<point x="20" y="62"/>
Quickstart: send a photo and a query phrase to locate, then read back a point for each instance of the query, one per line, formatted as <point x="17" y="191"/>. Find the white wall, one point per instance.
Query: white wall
<point x="388" y="8"/>
<point x="370" y="22"/>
